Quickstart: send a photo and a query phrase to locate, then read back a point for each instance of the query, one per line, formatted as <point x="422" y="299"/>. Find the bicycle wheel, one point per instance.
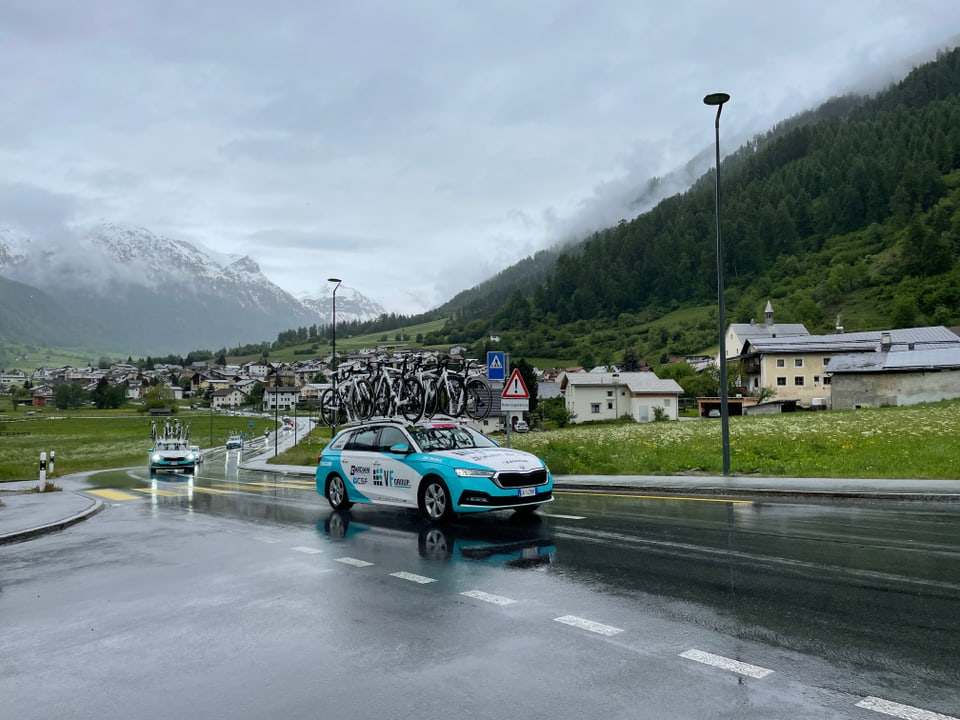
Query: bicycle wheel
<point x="479" y="399"/>
<point x="362" y="399"/>
<point x="381" y="397"/>
<point x="451" y="396"/>
<point x="429" y="397"/>
<point x="331" y="408"/>
<point x="410" y="402"/>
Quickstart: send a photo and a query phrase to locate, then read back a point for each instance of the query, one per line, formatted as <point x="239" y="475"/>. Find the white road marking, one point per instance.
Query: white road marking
<point x="412" y="578"/>
<point x="583" y="624"/>
<point x="265" y="539"/>
<point x="724" y="663"/>
<point x="565" y="517"/>
<point x="354" y="562"/>
<point x="487" y="597"/>
<point x="307" y="550"/>
<point x="901" y="711"/>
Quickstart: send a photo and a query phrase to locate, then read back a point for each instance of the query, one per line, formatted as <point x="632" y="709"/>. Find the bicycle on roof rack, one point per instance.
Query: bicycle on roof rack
<point x="350" y="399"/>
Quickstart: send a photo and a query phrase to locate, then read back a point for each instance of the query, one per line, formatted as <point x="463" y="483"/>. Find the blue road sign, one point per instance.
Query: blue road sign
<point x="496" y="365"/>
<point x="251" y="424"/>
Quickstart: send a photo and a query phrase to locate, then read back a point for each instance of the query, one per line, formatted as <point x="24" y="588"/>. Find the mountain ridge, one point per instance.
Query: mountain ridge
<point x="129" y="289"/>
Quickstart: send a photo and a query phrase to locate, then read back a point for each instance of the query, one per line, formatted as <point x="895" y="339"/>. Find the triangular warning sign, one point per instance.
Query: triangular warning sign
<point x="515" y="389"/>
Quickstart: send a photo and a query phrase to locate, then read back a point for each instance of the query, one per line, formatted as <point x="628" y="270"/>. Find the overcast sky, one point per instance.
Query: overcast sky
<point x="411" y="148"/>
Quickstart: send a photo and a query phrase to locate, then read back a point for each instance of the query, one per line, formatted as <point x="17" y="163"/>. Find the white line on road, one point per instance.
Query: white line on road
<point x="583" y="624"/>
<point x="307" y="550"/>
<point x="901" y="711"/>
<point x="354" y="562"/>
<point x="265" y="539"/>
<point x="487" y="597"/>
<point x="726" y="663"/>
<point x="565" y="517"/>
<point x="412" y="578"/>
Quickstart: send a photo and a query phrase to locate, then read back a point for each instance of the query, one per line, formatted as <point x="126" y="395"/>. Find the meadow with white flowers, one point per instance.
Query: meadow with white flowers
<point x="920" y="441"/>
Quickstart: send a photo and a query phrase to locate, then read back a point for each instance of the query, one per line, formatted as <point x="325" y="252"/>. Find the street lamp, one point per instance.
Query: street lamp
<point x="276" y="405"/>
<point x="719" y="99"/>
<point x="333" y="355"/>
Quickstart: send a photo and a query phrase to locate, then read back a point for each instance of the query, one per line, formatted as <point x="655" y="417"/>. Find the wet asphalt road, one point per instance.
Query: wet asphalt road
<point x="239" y="595"/>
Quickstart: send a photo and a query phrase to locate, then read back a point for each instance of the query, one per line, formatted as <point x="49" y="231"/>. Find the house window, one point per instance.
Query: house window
<point x="798" y="362"/>
<point x="609" y="393"/>
<point x="666" y="402"/>
<point x="781" y="362"/>
<point x="826" y="380"/>
<point x="609" y="405"/>
<point x="798" y="380"/>
<point x="595" y="408"/>
<point x="782" y="381"/>
<point x="816" y="379"/>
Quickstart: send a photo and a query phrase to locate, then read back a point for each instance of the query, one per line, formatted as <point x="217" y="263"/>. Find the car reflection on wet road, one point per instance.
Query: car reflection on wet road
<point x="610" y="604"/>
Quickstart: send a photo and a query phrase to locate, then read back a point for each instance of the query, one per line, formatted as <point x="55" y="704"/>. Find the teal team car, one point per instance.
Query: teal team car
<point x="172" y="455"/>
<point x="442" y="468"/>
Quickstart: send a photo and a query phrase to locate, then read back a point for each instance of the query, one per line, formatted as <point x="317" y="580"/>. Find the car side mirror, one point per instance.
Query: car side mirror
<point x="400" y="449"/>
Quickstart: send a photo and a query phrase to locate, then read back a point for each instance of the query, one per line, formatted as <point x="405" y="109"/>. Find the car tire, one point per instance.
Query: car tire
<point x="434" y="499"/>
<point x="337" y="493"/>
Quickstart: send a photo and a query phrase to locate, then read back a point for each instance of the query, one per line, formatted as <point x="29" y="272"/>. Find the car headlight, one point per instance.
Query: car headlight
<point x="191" y="457"/>
<point x="156" y="457"/>
<point x="474" y="472"/>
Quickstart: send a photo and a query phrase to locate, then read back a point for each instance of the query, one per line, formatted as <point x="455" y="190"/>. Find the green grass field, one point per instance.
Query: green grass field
<point x="922" y="441"/>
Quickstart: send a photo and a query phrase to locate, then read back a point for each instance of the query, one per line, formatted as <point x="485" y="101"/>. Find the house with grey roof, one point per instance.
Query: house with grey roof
<point x="608" y="396"/>
<point x="739" y="333"/>
<point x="801" y="367"/>
<point x="895" y="374"/>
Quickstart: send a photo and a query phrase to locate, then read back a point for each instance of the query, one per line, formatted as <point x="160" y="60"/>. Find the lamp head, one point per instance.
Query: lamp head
<point x="716" y="99"/>
<point x="336" y="280"/>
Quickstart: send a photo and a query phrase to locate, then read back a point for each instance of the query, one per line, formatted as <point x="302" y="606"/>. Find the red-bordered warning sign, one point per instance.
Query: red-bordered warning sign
<point x="515" y="389"/>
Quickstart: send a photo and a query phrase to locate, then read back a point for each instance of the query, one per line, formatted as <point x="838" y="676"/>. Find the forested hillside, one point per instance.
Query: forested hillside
<point x="852" y="212"/>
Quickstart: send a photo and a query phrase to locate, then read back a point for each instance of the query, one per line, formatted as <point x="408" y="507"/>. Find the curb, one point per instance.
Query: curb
<point x="21" y="535"/>
<point x="758" y="492"/>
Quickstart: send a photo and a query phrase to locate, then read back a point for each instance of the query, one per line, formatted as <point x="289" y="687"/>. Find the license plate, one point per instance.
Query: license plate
<point x="528" y="492"/>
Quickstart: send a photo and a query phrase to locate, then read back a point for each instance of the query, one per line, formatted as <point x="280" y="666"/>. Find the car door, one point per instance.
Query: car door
<point x="357" y="462"/>
<point x="392" y="474"/>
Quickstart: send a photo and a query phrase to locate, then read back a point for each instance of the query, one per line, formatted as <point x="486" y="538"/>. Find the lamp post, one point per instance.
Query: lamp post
<point x="276" y="405"/>
<point x="333" y="355"/>
<point x="719" y="99"/>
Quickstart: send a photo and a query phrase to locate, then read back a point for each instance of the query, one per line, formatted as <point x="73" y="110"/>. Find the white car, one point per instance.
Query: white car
<point x="197" y="453"/>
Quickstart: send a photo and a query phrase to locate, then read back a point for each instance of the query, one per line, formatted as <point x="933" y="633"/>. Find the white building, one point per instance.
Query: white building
<point x="281" y="398"/>
<point x="608" y="396"/>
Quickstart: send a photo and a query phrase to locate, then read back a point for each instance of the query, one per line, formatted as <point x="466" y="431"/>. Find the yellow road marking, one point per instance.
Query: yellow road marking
<point x="161" y="493"/>
<point x="212" y="491"/>
<point x="287" y="484"/>
<point x="239" y="488"/>
<point x="114" y="494"/>
<point x="653" y="497"/>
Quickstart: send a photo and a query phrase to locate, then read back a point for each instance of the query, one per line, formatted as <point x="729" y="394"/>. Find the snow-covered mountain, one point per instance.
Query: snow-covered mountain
<point x="151" y="294"/>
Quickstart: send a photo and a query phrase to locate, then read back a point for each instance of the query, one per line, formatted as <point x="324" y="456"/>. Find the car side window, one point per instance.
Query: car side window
<point x="390" y="436"/>
<point x="363" y="440"/>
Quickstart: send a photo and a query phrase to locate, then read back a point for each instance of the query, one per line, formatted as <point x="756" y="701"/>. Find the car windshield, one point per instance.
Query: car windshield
<point x="449" y="437"/>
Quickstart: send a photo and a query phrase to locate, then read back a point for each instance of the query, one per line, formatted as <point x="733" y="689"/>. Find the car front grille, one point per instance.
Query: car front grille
<point x="516" y="480"/>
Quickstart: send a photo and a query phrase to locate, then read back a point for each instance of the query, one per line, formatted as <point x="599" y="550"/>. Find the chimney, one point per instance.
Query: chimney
<point x="885" y="341"/>
<point x="768" y="313"/>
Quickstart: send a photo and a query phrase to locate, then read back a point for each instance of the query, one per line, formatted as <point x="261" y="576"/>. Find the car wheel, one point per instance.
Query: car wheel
<point x="435" y="502"/>
<point x="337" y="493"/>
